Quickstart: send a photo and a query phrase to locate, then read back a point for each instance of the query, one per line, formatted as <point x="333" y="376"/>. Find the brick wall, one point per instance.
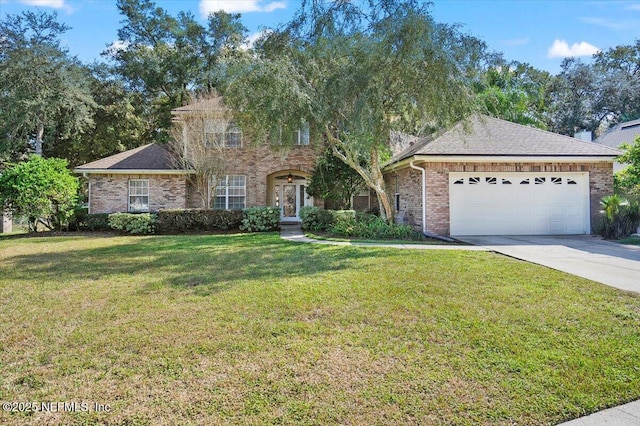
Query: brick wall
<point x="257" y="163"/>
<point x="437" y="176"/>
<point x="110" y="193"/>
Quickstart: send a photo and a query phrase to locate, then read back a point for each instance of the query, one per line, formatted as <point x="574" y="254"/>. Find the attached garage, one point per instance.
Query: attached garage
<point x="492" y="177"/>
<point x="519" y="203"/>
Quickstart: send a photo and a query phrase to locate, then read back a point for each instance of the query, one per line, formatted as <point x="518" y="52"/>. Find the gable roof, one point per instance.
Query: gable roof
<point x="144" y="159"/>
<point x="620" y="133"/>
<point x="488" y="136"/>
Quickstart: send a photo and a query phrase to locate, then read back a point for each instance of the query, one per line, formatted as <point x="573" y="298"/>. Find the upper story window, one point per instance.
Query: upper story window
<point x="223" y="134"/>
<point x="139" y="195"/>
<point x="301" y="136"/>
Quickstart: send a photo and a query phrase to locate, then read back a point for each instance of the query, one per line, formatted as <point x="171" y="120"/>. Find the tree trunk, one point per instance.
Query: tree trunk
<point x="39" y="135"/>
<point x="373" y="177"/>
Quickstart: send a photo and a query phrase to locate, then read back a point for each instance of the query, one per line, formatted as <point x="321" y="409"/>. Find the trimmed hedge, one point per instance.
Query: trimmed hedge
<point x="260" y="219"/>
<point x="95" y="222"/>
<point x="197" y="220"/>
<point x="133" y="223"/>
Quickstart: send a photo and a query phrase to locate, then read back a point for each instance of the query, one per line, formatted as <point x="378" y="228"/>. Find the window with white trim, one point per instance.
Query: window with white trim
<point x="230" y="193"/>
<point x="227" y="137"/>
<point x="301" y="136"/>
<point x="138" y="195"/>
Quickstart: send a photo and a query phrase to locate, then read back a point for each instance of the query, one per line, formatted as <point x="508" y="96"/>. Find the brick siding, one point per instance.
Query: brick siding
<point x="407" y="183"/>
<point x="110" y="193"/>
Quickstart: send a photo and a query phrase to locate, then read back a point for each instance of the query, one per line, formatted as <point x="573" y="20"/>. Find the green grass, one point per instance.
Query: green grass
<point x="251" y="329"/>
<point x="328" y="237"/>
<point x="631" y="241"/>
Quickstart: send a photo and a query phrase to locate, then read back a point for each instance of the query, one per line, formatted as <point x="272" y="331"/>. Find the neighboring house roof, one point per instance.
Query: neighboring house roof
<point x="147" y="158"/>
<point x="483" y="136"/>
<point x="620" y="133"/>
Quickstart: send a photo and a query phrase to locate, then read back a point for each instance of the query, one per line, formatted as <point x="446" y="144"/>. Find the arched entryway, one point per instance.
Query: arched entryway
<point x="288" y="191"/>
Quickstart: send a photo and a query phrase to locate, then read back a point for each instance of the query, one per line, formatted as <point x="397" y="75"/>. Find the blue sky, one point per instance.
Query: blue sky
<point x="540" y="32"/>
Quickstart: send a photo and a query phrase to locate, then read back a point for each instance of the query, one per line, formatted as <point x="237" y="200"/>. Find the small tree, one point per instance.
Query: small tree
<point x="628" y="180"/>
<point x="43" y="190"/>
<point x="198" y="140"/>
<point x="334" y="180"/>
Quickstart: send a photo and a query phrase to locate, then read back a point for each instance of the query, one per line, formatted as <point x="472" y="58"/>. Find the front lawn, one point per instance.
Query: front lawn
<point x="633" y="240"/>
<point x="251" y="329"/>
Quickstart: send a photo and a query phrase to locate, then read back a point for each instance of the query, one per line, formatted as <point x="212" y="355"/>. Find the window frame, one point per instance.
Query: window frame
<point x="130" y="205"/>
<point x="223" y="190"/>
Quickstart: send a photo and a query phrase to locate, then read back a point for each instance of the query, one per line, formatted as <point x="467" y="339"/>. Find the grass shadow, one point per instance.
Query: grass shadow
<point x="204" y="264"/>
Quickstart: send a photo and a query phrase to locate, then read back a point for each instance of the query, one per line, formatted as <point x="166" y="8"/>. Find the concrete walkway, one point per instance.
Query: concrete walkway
<point x="624" y="415"/>
<point x="585" y="256"/>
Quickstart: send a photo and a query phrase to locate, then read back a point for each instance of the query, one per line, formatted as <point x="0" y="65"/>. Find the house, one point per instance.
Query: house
<point x="618" y="135"/>
<point x="152" y="178"/>
<point x="484" y="176"/>
<point x="493" y="177"/>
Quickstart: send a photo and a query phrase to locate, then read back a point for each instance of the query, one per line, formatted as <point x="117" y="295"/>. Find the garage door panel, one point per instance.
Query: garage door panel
<point x="518" y="203"/>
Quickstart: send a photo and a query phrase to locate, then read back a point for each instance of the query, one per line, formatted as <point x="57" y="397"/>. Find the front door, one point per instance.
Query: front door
<point x="290" y="194"/>
<point x="290" y="202"/>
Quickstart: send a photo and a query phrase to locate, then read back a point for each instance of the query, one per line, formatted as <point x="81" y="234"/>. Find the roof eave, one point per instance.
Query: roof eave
<point x="422" y="158"/>
<point x="132" y="171"/>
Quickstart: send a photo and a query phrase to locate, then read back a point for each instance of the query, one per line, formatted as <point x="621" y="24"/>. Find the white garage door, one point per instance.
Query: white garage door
<point x="519" y="203"/>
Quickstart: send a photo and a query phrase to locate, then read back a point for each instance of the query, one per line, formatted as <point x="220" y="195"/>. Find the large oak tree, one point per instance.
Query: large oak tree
<point x="354" y="72"/>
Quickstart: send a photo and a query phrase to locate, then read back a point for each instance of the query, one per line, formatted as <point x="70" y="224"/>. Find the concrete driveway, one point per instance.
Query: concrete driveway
<point x="586" y="256"/>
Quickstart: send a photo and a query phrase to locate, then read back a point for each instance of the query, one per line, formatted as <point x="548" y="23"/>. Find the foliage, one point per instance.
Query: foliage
<point x="95" y="222"/>
<point x="260" y="219"/>
<point x="164" y="58"/>
<point x="355" y="71"/>
<point x="44" y="90"/>
<point x="591" y="96"/>
<point x="368" y="226"/>
<point x="515" y="92"/>
<point x="42" y="190"/>
<point x="315" y="219"/>
<point x="133" y="223"/>
<point x="334" y="180"/>
<point x="628" y="179"/>
<point x="619" y="218"/>
<point x="116" y="124"/>
<point x="196" y="220"/>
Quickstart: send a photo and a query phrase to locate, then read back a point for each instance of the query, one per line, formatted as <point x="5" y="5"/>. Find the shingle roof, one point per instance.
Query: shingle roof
<point x="488" y="136"/>
<point x="620" y="133"/>
<point x="146" y="157"/>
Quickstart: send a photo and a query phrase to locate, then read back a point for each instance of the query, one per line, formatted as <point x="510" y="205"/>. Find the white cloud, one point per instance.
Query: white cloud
<point x="56" y="4"/>
<point x="239" y="6"/>
<point x="561" y="49"/>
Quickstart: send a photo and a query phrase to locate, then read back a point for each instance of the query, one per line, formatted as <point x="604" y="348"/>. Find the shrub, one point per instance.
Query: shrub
<point x="197" y="220"/>
<point x="316" y="219"/>
<point x="260" y="219"/>
<point x="139" y="223"/>
<point x="619" y="218"/>
<point x="366" y="225"/>
<point x="95" y="222"/>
